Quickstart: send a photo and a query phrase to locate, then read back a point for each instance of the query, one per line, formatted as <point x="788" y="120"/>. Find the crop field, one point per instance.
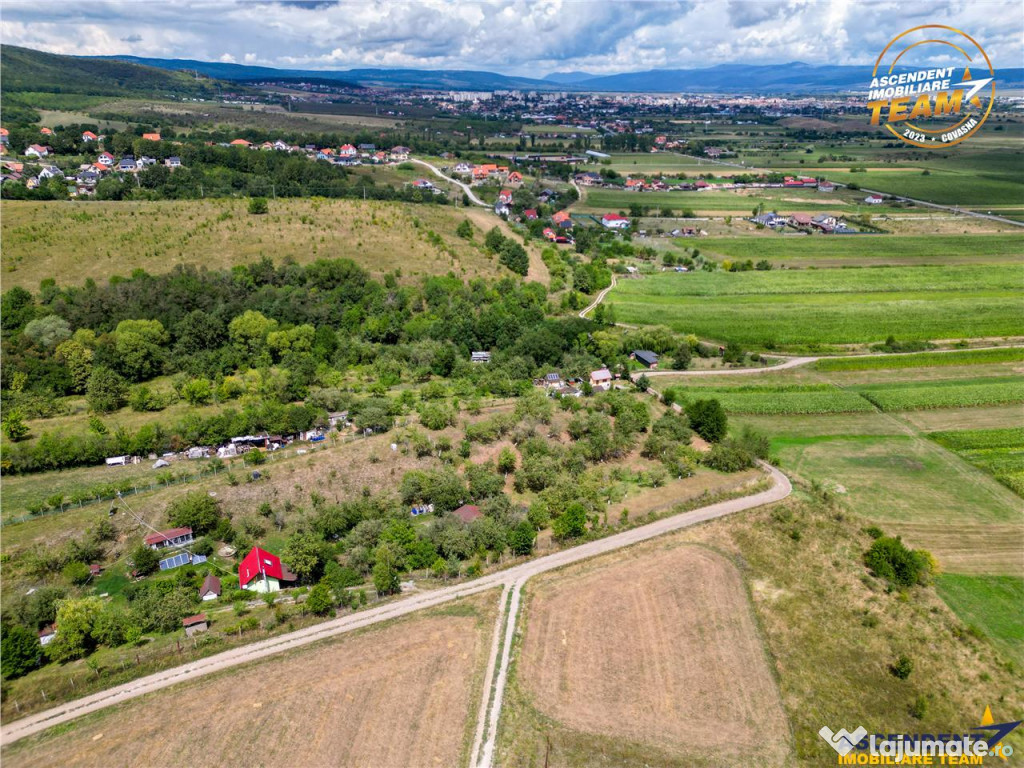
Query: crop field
<point x="765" y="401"/>
<point x="923" y="360"/>
<point x="956" y="393"/>
<point x="656" y="656"/>
<point x="1000" y="452"/>
<point x="870" y="250"/>
<point x="991" y="604"/>
<point x="735" y="202"/>
<point x="661" y="162"/>
<point x="965" y="189"/>
<point x="71" y="242"/>
<point x="398" y="694"/>
<point x="806" y="308"/>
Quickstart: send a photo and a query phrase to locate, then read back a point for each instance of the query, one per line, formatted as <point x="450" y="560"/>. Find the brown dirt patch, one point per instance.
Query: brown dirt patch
<point x="401" y="695"/>
<point x="661" y="651"/>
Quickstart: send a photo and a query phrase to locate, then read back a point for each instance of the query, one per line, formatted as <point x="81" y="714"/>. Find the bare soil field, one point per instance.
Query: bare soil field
<point x="661" y="651"/>
<point x="400" y="695"/>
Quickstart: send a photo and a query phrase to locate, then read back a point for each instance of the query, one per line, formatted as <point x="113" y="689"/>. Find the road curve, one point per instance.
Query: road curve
<point x="40" y="721"/>
<point x="465" y="187"/>
<point x="597" y="299"/>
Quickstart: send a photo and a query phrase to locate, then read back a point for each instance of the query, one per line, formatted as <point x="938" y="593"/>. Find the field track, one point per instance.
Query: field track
<point x="514" y="576"/>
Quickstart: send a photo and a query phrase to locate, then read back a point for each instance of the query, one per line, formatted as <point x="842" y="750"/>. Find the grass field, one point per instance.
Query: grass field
<point x="801" y="309"/>
<point x="74" y="241"/>
<point x="398" y="694"/>
<point x="966" y="189"/>
<point x="990" y="603"/>
<point x="1000" y="452"/>
<point x="870" y="250"/>
<point x="656" y="656"/>
<point x="923" y="360"/>
<point x="768" y="400"/>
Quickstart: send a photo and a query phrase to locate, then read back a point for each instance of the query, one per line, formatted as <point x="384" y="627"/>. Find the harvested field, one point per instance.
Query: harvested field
<point x="403" y="694"/>
<point x="647" y="651"/>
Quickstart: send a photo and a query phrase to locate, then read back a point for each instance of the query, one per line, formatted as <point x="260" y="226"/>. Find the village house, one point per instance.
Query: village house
<point x="282" y="146"/>
<point x="568" y="391"/>
<point x="552" y="380"/>
<point x="480" y="357"/>
<point x="614" y="221"/>
<point x="464" y="167"/>
<point x="635" y="185"/>
<point x="5" y="136"/>
<point x="46" y="131"/>
<point x="826" y="186"/>
<point x="173" y="162"/>
<point x="151" y="136"/>
<point x="505" y="196"/>
<point x="261" y="571"/>
<point x="194" y="624"/>
<point x="175" y="537"/>
<point x="530" y="214"/>
<point x="562" y="220"/>
<point x="514" y="178"/>
<point x="240" y="143"/>
<point x="770" y="220"/>
<point x="800" y="219"/>
<point x="47" y="633"/>
<point x="37" y="150"/>
<point x="105" y="159"/>
<point x="645" y="357"/>
<point x="89" y="136"/>
<point x="51" y="172"/>
<point x="713" y="152"/>
<point x="347" y="150"/>
<point x="874" y="199"/>
<point x="128" y="164"/>
<point x="601" y="379"/>
<point x="467" y="513"/>
<point x="399" y="154"/>
<point x="210" y="589"/>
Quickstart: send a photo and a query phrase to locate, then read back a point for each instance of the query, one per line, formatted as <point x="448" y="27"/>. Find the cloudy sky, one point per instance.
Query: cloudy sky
<point x="521" y="37"/>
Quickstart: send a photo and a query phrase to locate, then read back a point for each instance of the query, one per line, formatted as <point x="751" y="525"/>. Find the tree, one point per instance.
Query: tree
<point x="195" y="510"/>
<point x="320" y="602"/>
<point x="642" y="383"/>
<point x="48" y="331"/>
<point x="493" y="239"/>
<point x="106" y="390"/>
<point x="145" y="559"/>
<point x="78" y="360"/>
<point x="572" y="523"/>
<point x="75" y="619"/>
<point x="20" y="651"/>
<point x="507" y="460"/>
<point x="708" y="419"/>
<point x="13" y="424"/>
<point x="385" y="571"/>
<point x="77" y="573"/>
<point x="305" y="556"/>
<point x="522" y="538"/>
<point x="514" y="256"/>
<point x="465" y="229"/>
<point x="258" y="205"/>
<point x="197" y="391"/>
<point x="682" y="357"/>
<point x="890" y="559"/>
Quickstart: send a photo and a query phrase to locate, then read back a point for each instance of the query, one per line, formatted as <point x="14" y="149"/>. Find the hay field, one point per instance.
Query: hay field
<point x="74" y="241"/>
<point x="650" y="651"/>
<point x="398" y="695"/>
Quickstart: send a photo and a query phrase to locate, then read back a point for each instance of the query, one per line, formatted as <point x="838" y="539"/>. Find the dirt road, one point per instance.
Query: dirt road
<point x="510" y="577"/>
<point x="465" y="187"/>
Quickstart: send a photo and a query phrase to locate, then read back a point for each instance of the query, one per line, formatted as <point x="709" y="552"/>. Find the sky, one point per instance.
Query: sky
<point x="517" y="37"/>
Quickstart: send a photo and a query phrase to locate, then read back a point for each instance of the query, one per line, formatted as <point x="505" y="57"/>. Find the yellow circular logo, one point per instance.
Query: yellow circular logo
<point x="932" y="106"/>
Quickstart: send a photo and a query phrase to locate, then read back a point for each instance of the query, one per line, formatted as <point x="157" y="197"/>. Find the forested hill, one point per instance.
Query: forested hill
<point x="26" y="70"/>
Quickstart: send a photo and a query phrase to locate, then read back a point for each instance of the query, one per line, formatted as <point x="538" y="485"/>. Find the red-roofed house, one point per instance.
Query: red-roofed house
<point x="210" y="589"/>
<point x="4" y="135"/>
<point x="175" y="537"/>
<point x="635" y="184"/>
<point x="515" y="178"/>
<point x="37" y="150"/>
<point x="467" y="513"/>
<point x="105" y="159"/>
<point x="241" y="143"/>
<point x="151" y="136"/>
<point x="89" y="136"/>
<point x="347" y="150"/>
<point x="193" y="624"/>
<point x="530" y="214"/>
<point x="47" y="131"/>
<point x="614" y="221"/>
<point x="262" y="571"/>
<point x="505" y="196"/>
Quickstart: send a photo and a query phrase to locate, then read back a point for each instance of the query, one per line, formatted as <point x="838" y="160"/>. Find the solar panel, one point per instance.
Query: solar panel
<point x="180" y="559"/>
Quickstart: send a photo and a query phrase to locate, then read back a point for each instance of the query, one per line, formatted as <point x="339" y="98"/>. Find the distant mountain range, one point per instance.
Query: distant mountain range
<point x="793" y="77"/>
<point x="26" y="69"/>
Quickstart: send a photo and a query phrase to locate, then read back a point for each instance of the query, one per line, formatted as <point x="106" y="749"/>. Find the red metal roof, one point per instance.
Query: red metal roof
<point x="156" y="538"/>
<point x="259" y="562"/>
<point x="188" y="621"/>
<point x="467" y="513"/>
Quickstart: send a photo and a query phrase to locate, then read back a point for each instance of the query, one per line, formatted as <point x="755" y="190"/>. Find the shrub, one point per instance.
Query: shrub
<point x="890" y="559"/>
<point x="708" y="419"/>
<point x="902" y="668"/>
<point x="258" y="205"/>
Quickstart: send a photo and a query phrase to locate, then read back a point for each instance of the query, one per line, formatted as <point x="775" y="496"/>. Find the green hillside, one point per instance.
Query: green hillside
<point x="29" y="71"/>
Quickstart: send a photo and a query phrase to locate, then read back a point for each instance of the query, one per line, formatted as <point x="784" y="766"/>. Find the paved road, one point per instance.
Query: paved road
<point x="465" y="187"/>
<point x="505" y="579"/>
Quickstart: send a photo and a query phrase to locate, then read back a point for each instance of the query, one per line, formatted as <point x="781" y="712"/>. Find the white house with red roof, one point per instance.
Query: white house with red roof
<point x="37" y="150"/>
<point x="89" y="136"/>
<point x="105" y="159"/>
<point x="347" y="150"/>
<point x="505" y="196"/>
<point x="175" y="537"/>
<point x="874" y="199"/>
<point x="614" y="221"/>
<point x="47" y="131"/>
<point x="5" y="135"/>
<point x="262" y="571"/>
<point x="241" y="143"/>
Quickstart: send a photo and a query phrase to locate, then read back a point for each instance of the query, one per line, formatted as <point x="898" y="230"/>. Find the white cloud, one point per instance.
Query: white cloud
<point x="524" y="37"/>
